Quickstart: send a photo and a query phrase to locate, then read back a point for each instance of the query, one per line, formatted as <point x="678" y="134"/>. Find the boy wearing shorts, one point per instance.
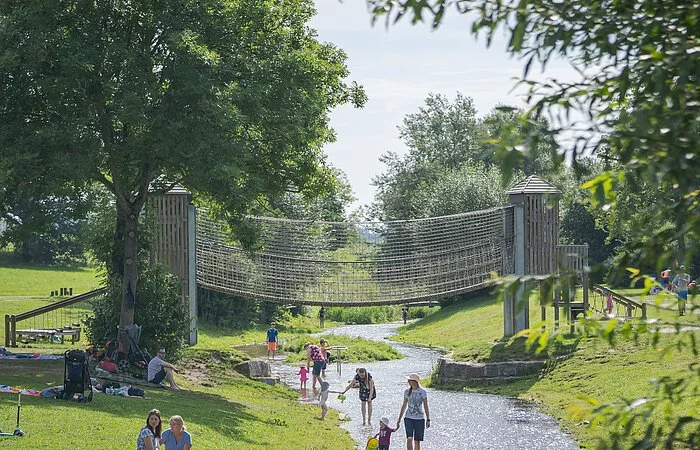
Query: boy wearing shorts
<point x="271" y="340"/>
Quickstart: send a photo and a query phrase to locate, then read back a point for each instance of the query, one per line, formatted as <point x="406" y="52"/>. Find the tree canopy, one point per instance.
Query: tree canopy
<point x="451" y="165"/>
<point x="229" y="98"/>
<point x="638" y="98"/>
<point x="638" y="95"/>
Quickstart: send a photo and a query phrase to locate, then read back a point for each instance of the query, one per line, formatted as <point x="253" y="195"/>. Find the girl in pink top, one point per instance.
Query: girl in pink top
<point x="303" y="376"/>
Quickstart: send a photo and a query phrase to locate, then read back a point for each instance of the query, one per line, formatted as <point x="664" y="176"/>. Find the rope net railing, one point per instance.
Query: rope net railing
<point x="357" y="263"/>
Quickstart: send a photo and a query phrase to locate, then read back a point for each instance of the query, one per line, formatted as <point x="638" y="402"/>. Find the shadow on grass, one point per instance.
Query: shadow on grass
<point x="515" y="349"/>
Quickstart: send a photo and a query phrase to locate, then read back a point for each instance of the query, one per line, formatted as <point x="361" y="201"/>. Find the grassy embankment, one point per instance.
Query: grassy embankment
<point x="473" y="331"/>
<point x="222" y="409"/>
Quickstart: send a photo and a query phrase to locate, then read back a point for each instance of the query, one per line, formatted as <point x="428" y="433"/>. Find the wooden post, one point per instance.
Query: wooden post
<point x="192" y="272"/>
<point x="13" y="331"/>
<point x="584" y="277"/>
<point x="7" y="330"/>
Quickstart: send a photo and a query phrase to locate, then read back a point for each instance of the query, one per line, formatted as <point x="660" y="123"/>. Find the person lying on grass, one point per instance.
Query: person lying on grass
<point x="158" y="370"/>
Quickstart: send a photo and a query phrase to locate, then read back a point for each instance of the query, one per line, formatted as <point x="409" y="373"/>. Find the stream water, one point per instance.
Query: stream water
<point x="459" y="420"/>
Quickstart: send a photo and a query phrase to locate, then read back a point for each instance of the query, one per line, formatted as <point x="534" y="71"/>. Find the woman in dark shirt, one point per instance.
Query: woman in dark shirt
<point x="364" y="381"/>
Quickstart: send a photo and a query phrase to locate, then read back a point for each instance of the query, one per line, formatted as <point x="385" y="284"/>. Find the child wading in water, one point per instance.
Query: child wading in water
<point x="323" y="398"/>
<point x="384" y="434"/>
<point x="303" y="376"/>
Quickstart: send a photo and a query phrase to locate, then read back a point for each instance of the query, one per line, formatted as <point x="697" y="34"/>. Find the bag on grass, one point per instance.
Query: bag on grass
<point x="109" y="366"/>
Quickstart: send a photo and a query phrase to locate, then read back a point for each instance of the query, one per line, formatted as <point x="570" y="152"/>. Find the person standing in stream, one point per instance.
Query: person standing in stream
<point x="364" y="381"/>
<point x="415" y="402"/>
<point x="272" y="340"/>
<point x="313" y="353"/>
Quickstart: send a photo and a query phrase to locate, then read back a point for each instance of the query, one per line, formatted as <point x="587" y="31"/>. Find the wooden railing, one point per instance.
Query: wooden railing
<point x="629" y="304"/>
<point x="11" y="320"/>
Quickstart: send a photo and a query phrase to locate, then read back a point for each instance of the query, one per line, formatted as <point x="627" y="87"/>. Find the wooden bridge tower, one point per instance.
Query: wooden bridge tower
<point x="174" y="244"/>
<point x="536" y="236"/>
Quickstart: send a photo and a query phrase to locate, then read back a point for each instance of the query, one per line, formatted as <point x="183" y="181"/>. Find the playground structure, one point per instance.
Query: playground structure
<point x="53" y="322"/>
<point x="367" y="263"/>
<point x="362" y="263"/>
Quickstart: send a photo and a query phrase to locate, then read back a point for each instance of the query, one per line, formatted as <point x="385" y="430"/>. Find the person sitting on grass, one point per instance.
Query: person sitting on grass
<point x="158" y="370"/>
<point x="149" y="436"/>
<point x="176" y="437"/>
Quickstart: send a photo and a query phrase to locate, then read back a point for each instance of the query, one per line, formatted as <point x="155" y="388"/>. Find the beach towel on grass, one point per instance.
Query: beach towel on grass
<point x="29" y="356"/>
<point x="13" y="390"/>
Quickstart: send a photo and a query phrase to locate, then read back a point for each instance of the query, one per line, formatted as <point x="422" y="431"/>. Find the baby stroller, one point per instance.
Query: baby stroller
<point x="76" y="378"/>
<point x="132" y="353"/>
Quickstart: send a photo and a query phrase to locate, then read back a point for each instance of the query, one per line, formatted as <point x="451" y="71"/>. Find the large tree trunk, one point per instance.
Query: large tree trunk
<point x="129" y="218"/>
<point x="116" y="268"/>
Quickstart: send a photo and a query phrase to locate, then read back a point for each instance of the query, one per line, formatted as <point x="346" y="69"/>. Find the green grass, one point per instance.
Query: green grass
<point x="40" y="281"/>
<point x="222" y="409"/>
<point x="233" y="412"/>
<point x="291" y="340"/>
<point x="473" y="331"/>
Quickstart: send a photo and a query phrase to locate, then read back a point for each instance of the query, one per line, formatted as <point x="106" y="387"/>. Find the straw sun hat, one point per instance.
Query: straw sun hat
<point x="414" y="376"/>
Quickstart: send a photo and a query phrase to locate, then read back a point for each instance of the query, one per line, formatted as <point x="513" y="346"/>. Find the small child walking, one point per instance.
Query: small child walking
<point x="303" y="376"/>
<point x="385" y="433"/>
<point x="323" y="398"/>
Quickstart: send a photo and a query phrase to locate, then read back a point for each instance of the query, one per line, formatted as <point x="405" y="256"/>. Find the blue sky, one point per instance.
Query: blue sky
<point x="399" y="66"/>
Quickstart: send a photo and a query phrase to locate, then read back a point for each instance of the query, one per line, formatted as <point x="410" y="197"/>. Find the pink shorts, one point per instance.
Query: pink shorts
<point x="272" y="346"/>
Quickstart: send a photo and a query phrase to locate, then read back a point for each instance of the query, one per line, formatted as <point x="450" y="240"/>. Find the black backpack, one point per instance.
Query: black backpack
<point x="76" y="378"/>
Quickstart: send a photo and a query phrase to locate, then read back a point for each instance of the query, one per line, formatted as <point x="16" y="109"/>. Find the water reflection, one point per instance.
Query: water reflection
<point x="459" y="420"/>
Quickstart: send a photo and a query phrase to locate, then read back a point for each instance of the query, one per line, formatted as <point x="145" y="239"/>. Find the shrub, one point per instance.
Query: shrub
<point x="362" y="314"/>
<point x="160" y="310"/>
<point x="236" y="312"/>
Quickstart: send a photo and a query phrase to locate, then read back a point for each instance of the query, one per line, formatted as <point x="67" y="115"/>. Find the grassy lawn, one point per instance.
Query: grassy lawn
<point x="40" y="281"/>
<point x="25" y="288"/>
<point x="473" y="331"/>
<point x="221" y="408"/>
<point x="233" y="412"/>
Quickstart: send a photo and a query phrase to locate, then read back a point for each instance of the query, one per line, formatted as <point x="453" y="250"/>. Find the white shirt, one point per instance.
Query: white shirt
<point x="154" y="367"/>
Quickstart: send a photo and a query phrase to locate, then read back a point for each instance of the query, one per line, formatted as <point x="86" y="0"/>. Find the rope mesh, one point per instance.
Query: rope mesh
<point x="360" y="263"/>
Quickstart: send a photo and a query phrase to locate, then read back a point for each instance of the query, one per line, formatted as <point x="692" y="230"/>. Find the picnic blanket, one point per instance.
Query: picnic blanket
<point x="4" y="354"/>
<point x="14" y="390"/>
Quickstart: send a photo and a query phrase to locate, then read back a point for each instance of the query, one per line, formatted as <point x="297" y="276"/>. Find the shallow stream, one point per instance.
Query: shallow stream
<point x="459" y="420"/>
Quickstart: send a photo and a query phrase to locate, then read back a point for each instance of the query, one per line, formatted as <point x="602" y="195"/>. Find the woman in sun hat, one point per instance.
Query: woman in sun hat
<point x="415" y="401"/>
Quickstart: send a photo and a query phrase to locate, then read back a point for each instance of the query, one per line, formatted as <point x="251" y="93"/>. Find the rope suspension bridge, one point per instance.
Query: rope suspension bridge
<point x="362" y="263"/>
<point x="357" y="263"/>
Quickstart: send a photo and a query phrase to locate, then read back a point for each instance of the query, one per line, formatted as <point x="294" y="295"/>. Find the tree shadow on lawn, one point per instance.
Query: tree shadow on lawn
<point x="515" y="349"/>
<point x="209" y="411"/>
